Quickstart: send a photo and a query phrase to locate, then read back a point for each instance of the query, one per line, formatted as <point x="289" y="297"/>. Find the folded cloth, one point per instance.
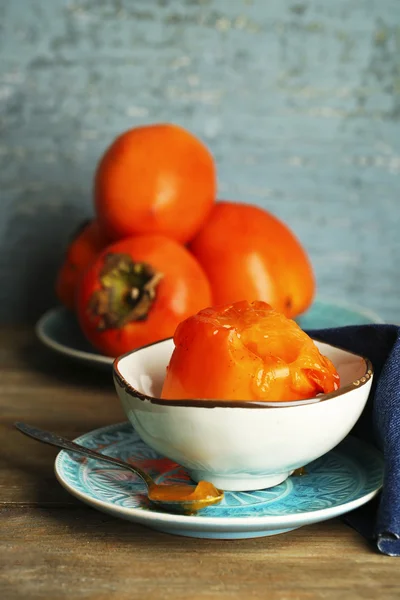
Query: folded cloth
<point x="379" y="424"/>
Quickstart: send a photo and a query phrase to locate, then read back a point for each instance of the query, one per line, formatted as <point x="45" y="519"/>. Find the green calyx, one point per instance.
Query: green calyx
<point x="128" y="290"/>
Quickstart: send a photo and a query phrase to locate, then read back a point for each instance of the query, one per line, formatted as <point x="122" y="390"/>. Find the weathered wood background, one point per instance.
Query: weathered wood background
<point x="299" y="101"/>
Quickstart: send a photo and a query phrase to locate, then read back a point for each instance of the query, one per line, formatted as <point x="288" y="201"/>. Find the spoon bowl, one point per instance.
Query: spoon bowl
<point x="184" y="499"/>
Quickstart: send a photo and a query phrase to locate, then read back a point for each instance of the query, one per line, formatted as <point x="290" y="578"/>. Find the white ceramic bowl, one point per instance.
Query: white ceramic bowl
<point x="239" y="446"/>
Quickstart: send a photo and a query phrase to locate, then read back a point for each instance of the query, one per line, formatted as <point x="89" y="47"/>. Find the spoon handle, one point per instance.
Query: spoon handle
<point x="56" y="440"/>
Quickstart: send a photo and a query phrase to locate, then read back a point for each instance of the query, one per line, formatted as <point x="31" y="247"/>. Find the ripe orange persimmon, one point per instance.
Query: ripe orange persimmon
<point x="137" y="291"/>
<point x="246" y="352"/>
<point x="85" y="245"/>
<point x="249" y="254"/>
<point x="155" y="179"/>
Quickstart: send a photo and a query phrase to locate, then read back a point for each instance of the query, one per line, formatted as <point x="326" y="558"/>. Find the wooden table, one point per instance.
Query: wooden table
<point x="52" y="546"/>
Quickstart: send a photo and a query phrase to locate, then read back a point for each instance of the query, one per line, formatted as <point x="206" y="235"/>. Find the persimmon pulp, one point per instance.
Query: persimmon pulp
<point x="246" y="351"/>
<point x="192" y="498"/>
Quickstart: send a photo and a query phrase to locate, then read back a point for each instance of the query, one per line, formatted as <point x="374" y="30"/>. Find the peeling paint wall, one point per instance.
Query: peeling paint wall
<point x="299" y="101"/>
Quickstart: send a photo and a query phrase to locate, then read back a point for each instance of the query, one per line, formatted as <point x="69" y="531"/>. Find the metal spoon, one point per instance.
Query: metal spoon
<point x="186" y="499"/>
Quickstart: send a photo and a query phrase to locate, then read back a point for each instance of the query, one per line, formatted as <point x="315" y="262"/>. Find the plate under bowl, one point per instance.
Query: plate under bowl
<point x="345" y="478"/>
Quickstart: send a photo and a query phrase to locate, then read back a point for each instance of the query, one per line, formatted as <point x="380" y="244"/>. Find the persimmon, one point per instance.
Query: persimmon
<point x="155" y="179"/>
<point x="137" y="291"/>
<point x="249" y="254"/>
<point x="246" y="351"/>
<point x="84" y="246"/>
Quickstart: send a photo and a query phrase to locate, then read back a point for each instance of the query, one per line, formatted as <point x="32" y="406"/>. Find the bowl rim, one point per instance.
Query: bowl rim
<point x="120" y="380"/>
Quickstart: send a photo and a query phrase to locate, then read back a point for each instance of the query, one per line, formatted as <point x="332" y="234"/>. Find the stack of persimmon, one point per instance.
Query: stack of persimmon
<point x="161" y="247"/>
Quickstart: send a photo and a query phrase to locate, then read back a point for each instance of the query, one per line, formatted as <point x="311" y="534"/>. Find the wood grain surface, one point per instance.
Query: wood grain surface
<point x="54" y="547"/>
<point x="299" y="101"/>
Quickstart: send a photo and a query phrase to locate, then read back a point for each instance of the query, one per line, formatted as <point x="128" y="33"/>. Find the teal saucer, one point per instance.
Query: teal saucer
<point x="343" y="479"/>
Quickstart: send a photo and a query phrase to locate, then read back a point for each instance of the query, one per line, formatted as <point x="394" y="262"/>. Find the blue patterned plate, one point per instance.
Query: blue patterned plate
<point x="343" y="479"/>
<point x="59" y="330"/>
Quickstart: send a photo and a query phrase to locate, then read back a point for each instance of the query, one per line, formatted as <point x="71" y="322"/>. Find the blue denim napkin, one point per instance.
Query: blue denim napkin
<point x="379" y="424"/>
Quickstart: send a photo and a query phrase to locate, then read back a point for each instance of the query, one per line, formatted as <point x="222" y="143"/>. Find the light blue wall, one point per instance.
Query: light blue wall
<point x="299" y="101"/>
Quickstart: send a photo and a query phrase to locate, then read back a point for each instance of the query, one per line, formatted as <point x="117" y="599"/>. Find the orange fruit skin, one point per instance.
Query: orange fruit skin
<point x="249" y="254"/>
<point x="82" y="250"/>
<point x="155" y="179"/>
<point x="182" y="291"/>
<point x="247" y="352"/>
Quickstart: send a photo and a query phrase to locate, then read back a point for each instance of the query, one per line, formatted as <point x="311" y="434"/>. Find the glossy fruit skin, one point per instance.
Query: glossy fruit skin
<point x="182" y="291"/>
<point x="155" y="179"/>
<point x="249" y="254"/>
<point x="246" y="352"/>
<point x="85" y="246"/>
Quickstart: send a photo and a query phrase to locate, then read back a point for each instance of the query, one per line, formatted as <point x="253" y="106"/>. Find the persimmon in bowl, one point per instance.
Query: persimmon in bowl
<point x="242" y="397"/>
